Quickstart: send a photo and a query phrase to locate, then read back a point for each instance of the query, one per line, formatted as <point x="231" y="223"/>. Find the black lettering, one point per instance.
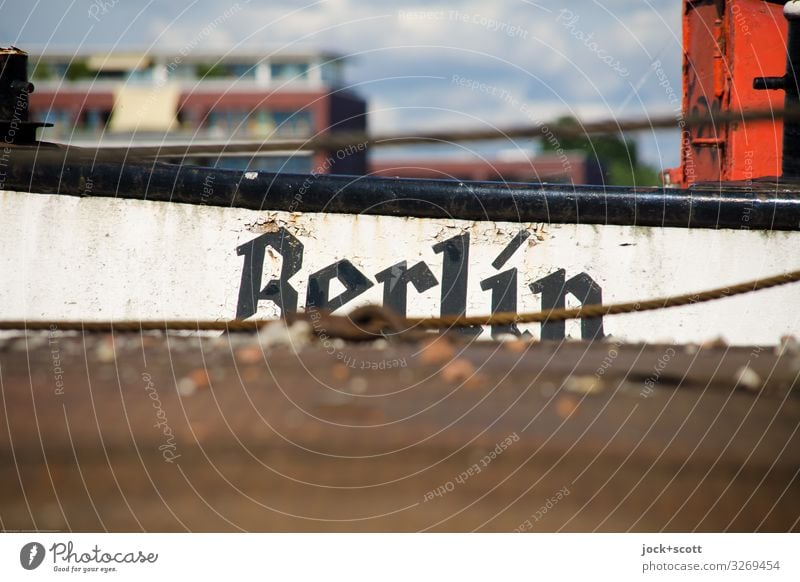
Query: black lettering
<point x="510" y="249"/>
<point x="588" y="292"/>
<point x="395" y="281"/>
<point x="504" y="299"/>
<point x="455" y="264"/>
<point x="554" y="288"/>
<point x="354" y="281"/>
<point x="279" y="291"/>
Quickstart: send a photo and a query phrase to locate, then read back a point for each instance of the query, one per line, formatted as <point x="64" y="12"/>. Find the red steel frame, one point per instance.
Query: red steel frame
<point x="727" y="43"/>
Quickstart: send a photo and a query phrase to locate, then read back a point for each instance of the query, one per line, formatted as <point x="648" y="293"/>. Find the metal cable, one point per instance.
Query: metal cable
<point x="559" y="129"/>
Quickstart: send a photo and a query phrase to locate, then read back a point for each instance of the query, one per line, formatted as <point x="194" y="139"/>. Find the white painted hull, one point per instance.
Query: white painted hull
<point x="64" y="257"/>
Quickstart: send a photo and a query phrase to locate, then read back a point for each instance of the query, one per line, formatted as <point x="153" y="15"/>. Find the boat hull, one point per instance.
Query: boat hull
<point x="97" y="258"/>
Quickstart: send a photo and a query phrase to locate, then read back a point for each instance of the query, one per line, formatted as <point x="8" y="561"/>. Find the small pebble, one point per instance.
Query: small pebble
<point x="437" y="351"/>
<point x="340" y="372"/>
<point x="249" y="355"/>
<point x="547" y="389"/>
<point x="746" y="377"/>
<point x="104" y="352"/>
<point x="186" y="387"/>
<point x="358" y="385"/>
<point x="297" y="335"/>
<point x="715" y="343"/>
<point x="788" y="345"/>
<point x="458" y="371"/>
<point x="583" y="385"/>
<point x="200" y="377"/>
<point x="251" y="374"/>
<point x="565" y="406"/>
<point x="516" y="346"/>
<point x="476" y="381"/>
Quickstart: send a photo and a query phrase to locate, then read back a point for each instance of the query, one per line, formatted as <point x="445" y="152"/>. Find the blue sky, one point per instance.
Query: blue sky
<point x="422" y="65"/>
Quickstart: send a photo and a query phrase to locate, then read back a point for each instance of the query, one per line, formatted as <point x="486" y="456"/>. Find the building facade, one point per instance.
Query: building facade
<point x="161" y="98"/>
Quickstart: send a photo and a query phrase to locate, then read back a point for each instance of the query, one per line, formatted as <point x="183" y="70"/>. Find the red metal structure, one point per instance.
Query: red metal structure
<point x="728" y="43"/>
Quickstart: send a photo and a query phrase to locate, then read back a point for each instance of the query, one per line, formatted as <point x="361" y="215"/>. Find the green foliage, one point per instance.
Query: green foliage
<point x="210" y="71"/>
<point x="619" y="157"/>
<point x="40" y="72"/>
<point x="78" y="70"/>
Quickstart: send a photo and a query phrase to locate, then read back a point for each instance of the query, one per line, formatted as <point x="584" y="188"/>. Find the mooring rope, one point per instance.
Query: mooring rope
<point x="589" y="311"/>
<point x="366" y="323"/>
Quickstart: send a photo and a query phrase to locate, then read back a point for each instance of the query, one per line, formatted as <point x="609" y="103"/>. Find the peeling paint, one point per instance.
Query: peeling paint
<point x="151" y="260"/>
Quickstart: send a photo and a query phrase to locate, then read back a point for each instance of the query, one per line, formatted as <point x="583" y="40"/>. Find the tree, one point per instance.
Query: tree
<point x="618" y="157"/>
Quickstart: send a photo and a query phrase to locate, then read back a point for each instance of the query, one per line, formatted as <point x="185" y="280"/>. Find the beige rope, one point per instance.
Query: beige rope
<point x="367" y="322"/>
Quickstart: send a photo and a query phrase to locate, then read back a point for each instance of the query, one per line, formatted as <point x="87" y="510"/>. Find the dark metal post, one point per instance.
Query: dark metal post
<point x="14" y="90"/>
<point x="789" y="83"/>
<point x="791" y="126"/>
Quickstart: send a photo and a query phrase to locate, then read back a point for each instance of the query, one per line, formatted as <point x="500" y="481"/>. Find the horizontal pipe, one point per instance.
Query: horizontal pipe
<point x="51" y="169"/>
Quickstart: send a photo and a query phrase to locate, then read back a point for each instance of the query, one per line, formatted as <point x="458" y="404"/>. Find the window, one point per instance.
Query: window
<point x="258" y="123"/>
<point x="227" y="122"/>
<point x="289" y="71"/>
<point x="60" y="118"/>
<point x="242" y="70"/>
<point x="292" y="123"/>
<point x="180" y="71"/>
<point x="94" y="120"/>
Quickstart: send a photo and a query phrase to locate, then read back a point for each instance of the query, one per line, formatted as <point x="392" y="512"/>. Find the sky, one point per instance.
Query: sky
<point x="421" y="65"/>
